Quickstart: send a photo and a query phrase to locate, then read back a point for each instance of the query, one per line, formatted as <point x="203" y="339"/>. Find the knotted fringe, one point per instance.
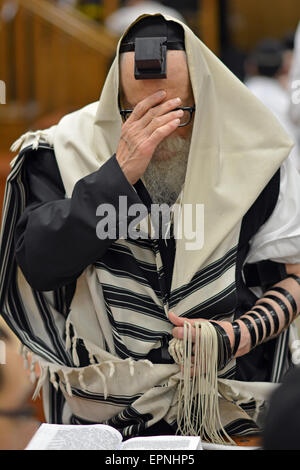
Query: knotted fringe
<point x="54" y="371"/>
<point x="104" y="369"/>
<point x="53" y="380"/>
<point x="37" y="136"/>
<point x="41" y="381"/>
<point x="30" y="362"/>
<point x="198" y="398"/>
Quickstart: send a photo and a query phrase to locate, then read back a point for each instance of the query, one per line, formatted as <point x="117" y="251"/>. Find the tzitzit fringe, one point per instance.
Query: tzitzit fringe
<point x="198" y="397"/>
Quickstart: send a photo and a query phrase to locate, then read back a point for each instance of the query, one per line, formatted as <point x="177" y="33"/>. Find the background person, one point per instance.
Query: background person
<point x="268" y="85"/>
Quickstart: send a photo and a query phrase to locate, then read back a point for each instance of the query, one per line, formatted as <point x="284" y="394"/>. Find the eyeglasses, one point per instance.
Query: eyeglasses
<point x="184" y="121"/>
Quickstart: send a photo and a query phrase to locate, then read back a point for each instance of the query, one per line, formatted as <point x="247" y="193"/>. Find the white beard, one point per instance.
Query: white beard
<point x="166" y="172"/>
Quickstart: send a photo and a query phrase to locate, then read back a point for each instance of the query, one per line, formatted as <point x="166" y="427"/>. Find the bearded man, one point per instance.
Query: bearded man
<point x="173" y="126"/>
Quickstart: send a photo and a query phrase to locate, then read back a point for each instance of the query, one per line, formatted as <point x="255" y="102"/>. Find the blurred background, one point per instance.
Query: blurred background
<point x="55" y="54"/>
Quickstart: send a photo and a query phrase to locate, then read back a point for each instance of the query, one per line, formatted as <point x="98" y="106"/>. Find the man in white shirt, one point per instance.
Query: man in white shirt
<point x="267" y="60"/>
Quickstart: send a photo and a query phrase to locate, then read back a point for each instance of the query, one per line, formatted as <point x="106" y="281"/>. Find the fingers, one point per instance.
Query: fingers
<point x="152" y="111"/>
<point x="160" y="121"/>
<point x="162" y="110"/>
<point x="178" y="333"/>
<point x="161" y="133"/>
<point x="150" y="122"/>
<point x="143" y="106"/>
<point x="178" y="321"/>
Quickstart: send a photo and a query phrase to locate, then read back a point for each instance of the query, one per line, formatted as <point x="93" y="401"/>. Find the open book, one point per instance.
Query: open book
<point x="103" y="437"/>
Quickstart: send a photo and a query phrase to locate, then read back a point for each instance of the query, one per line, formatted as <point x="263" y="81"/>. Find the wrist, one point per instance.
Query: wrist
<point x="239" y="337"/>
<point x="243" y="341"/>
<point x="131" y="178"/>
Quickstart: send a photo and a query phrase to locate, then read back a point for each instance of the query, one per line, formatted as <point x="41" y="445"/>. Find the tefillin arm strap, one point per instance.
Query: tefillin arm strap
<point x="262" y="321"/>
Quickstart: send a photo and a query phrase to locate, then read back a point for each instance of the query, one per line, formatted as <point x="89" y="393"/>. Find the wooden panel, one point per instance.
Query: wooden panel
<point x="3" y="50"/>
<point x="44" y="84"/>
<point x="6" y="53"/>
<point x="253" y="20"/>
<point x="109" y="6"/>
<point x="74" y="24"/>
<point x="52" y="61"/>
<point x="61" y="60"/>
<point x="22" y="63"/>
<point x="209" y="24"/>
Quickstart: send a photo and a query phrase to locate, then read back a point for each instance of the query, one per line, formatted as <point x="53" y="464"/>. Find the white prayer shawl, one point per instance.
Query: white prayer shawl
<point x="237" y="146"/>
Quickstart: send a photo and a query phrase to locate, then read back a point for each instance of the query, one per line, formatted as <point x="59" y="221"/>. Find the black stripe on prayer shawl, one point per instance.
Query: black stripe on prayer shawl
<point x="125" y="250"/>
<point x="145" y="244"/>
<point x="199" y="280"/>
<point x="50" y="327"/>
<point x="126" y="265"/>
<point x="59" y="300"/>
<point x="281" y="357"/>
<point x="57" y="403"/>
<point x="11" y="305"/>
<point x="241" y="427"/>
<point x="111" y="399"/>
<point x="139" y="333"/>
<point x="15" y="302"/>
<point x="14" y="206"/>
<point x="16" y="305"/>
<point x="121" y="273"/>
<point x="121" y="331"/>
<point x="209" y="308"/>
<point x="205" y="276"/>
<point x="121" y="349"/>
<point x="130" y="422"/>
<point x="229" y="373"/>
<point x="127" y="257"/>
<point x="120" y="299"/>
<point x="124" y="298"/>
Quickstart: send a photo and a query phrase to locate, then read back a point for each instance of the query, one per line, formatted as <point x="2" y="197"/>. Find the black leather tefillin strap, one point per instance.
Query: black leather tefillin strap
<point x="260" y="318"/>
<point x="294" y="276"/>
<point x="287" y="295"/>
<point x="258" y="323"/>
<point x="251" y="329"/>
<point x="224" y="346"/>
<point x="273" y="314"/>
<point x="237" y="337"/>
<point x="281" y="304"/>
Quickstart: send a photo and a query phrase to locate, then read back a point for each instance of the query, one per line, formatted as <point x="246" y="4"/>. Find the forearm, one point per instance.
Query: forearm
<point x="271" y="315"/>
<point x="56" y="240"/>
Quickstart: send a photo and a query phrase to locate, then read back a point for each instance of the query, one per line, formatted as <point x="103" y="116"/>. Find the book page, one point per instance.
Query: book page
<point x="163" y="443"/>
<point x="75" y="437"/>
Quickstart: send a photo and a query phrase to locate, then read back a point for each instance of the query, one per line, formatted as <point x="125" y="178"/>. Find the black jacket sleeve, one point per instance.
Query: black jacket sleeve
<point x="55" y="238"/>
